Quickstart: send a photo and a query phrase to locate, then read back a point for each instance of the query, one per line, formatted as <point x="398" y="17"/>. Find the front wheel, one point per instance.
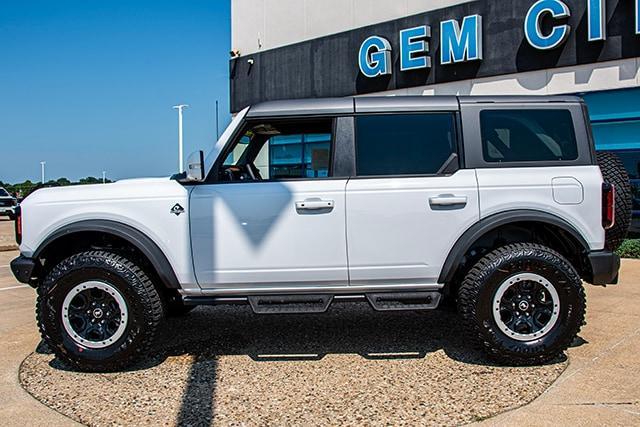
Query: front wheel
<point x="98" y="311"/>
<point x="522" y="303"/>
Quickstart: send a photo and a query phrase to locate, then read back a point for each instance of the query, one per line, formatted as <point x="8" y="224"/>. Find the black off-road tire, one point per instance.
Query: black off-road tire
<point x="478" y="290"/>
<point x="613" y="172"/>
<point x="143" y="301"/>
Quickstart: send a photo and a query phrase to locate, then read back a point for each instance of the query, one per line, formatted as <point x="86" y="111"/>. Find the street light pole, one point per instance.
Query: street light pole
<point x="217" y="124"/>
<point x="180" y="145"/>
<point x="42" y="171"/>
<point x="104" y="177"/>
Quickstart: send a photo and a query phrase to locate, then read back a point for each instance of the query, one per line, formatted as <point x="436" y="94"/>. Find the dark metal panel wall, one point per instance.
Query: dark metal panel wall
<point x="328" y="66"/>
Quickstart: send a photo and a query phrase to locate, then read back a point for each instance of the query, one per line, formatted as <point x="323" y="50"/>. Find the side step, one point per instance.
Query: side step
<point x="290" y="304"/>
<point x="392" y="301"/>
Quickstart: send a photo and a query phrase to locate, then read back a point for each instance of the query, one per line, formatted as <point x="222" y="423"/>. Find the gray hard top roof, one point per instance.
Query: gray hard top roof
<point x="381" y="104"/>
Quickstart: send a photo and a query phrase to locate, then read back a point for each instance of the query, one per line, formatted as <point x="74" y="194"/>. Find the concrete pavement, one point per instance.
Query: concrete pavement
<point x="601" y="386"/>
<point x="7" y="238"/>
<point x="19" y="337"/>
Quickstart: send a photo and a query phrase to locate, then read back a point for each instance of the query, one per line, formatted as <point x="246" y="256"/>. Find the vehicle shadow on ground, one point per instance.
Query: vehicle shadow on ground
<point x="208" y="333"/>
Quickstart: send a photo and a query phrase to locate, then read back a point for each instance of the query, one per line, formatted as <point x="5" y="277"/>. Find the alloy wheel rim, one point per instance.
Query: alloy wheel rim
<point x="94" y="314"/>
<point x="526" y="306"/>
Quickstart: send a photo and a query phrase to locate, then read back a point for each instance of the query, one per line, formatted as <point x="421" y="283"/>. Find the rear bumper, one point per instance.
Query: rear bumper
<point x="23" y="267"/>
<point x="604" y="267"/>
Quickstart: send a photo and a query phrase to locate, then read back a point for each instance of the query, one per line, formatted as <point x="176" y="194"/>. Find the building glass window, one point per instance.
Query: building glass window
<point x="299" y="156"/>
<point x="615" y="118"/>
<point x="403" y="144"/>
<point x="527" y="135"/>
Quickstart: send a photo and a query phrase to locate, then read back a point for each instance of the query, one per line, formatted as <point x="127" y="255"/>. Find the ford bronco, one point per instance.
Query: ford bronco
<point x="499" y="205"/>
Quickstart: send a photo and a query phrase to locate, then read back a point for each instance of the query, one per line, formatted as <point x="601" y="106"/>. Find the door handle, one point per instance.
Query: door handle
<point x="448" y="200"/>
<point x="314" y="205"/>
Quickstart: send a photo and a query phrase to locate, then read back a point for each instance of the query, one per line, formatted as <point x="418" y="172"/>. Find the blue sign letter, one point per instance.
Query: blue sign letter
<point x="409" y="45"/>
<point x="375" y="57"/>
<point x="596" y="17"/>
<point x="532" y="30"/>
<point x="461" y="44"/>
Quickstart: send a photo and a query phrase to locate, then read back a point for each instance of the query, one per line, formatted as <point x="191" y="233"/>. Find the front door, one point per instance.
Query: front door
<point x="273" y="218"/>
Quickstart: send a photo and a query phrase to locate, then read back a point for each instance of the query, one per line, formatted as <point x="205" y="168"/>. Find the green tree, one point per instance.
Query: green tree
<point x="90" y="180"/>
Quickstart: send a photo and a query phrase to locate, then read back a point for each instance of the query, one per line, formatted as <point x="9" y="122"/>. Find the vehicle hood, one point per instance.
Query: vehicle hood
<point x="120" y="191"/>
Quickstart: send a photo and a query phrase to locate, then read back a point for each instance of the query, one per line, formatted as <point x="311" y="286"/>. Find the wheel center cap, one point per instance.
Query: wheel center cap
<point x="523" y="305"/>
<point x="97" y="313"/>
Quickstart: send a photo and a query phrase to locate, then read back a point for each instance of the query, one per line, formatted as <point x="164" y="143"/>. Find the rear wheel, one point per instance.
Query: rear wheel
<point x="613" y="172"/>
<point x="98" y="311"/>
<point x="522" y="304"/>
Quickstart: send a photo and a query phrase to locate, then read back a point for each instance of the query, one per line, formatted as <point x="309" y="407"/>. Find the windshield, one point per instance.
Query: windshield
<point x="226" y="135"/>
<point x="3" y="192"/>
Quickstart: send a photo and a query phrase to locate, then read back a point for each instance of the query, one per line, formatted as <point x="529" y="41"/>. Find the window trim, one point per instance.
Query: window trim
<point x="470" y="114"/>
<point x="457" y="145"/>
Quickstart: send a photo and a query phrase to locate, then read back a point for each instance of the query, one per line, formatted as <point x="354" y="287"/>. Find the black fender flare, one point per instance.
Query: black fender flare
<point x="485" y="225"/>
<point x="132" y="235"/>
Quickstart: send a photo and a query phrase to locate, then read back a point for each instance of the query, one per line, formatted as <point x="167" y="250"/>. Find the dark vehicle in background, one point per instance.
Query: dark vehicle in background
<point x="8" y="204"/>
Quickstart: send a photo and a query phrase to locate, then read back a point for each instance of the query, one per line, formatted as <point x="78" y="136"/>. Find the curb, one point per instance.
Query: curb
<point x="8" y="248"/>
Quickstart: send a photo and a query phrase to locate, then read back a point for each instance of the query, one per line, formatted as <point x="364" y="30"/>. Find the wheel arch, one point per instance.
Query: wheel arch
<point x="123" y="232"/>
<point x="456" y="257"/>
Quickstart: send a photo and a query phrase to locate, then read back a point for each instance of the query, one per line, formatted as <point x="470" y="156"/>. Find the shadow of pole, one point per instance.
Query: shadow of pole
<point x="198" y="400"/>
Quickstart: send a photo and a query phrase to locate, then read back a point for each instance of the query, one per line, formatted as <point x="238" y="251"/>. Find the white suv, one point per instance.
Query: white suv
<point x="495" y="204"/>
<point x="7" y="204"/>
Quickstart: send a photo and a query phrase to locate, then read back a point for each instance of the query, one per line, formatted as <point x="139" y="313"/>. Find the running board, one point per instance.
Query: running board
<point x="290" y="304"/>
<point x="395" y="301"/>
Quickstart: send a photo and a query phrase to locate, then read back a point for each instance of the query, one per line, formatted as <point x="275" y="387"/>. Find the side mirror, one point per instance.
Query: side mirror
<point x="195" y="167"/>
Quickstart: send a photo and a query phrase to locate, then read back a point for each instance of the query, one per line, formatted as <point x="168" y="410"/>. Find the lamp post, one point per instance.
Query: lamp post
<point x="217" y="122"/>
<point x="42" y="171"/>
<point x="180" y="149"/>
<point x="104" y="177"/>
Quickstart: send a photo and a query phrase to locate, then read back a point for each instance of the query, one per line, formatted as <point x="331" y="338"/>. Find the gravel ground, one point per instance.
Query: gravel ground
<point x="351" y="366"/>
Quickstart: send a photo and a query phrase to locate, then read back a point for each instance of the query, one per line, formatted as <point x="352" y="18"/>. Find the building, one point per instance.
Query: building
<point x="326" y="48"/>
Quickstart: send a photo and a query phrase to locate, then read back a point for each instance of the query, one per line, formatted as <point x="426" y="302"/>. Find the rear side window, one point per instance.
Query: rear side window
<point x="527" y="135"/>
<point x="404" y="144"/>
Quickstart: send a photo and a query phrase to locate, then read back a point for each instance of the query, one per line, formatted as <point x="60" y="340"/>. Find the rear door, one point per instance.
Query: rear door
<point x="409" y="201"/>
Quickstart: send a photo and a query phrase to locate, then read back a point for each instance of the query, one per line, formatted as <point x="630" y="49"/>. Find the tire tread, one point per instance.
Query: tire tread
<point x="613" y="172"/>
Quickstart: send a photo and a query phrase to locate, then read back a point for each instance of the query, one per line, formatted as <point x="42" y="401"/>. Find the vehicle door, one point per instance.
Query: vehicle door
<point x="409" y="201"/>
<point x="272" y="216"/>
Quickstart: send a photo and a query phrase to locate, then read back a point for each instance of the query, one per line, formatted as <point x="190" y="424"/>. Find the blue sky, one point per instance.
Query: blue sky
<point x="88" y="85"/>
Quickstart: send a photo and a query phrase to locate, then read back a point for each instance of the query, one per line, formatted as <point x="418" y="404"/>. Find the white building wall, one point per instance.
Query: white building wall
<point x="581" y="78"/>
<point x="265" y="24"/>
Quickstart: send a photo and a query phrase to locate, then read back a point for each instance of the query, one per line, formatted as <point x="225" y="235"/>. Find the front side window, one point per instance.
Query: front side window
<point x="527" y="135"/>
<point x="404" y="144"/>
<point x="280" y="150"/>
